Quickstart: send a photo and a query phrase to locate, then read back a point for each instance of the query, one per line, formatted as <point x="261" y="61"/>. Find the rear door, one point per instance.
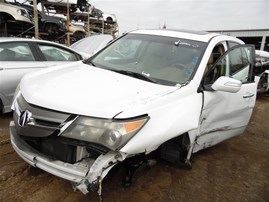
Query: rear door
<point x="227" y="114"/>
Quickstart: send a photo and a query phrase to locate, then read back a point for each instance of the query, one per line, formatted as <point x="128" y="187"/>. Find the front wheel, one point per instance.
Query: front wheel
<point x="2" y="19"/>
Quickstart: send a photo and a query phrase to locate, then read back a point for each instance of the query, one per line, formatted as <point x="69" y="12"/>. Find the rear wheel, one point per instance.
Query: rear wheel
<point x="5" y="17"/>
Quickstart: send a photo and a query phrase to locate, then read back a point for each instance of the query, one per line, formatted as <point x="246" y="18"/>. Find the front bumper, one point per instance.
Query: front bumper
<point x="86" y="174"/>
<point x="72" y="172"/>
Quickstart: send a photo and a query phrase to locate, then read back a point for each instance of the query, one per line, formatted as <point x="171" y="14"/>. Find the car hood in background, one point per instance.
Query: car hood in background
<point x="90" y="91"/>
<point x="92" y="44"/>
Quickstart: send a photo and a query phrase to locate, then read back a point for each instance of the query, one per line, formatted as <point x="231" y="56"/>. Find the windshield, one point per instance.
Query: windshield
<point x="164" y="60"/>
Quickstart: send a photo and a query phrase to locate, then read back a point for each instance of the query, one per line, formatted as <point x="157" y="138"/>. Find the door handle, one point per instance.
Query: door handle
<point x="248" y="95"/>
<point x="1" y="68"/>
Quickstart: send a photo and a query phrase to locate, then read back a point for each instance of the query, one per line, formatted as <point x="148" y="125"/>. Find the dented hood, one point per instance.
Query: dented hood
<point x="87" y="90"/>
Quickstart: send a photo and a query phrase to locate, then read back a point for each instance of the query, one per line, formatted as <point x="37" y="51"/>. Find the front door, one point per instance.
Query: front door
<point x="227" y="114"/>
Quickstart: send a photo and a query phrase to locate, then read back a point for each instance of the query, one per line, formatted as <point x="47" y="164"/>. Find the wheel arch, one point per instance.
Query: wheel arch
<point x="7" y="16"/>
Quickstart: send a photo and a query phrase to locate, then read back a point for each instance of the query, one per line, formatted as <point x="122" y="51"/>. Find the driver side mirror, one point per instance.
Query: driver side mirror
<point x="227" y="84"/>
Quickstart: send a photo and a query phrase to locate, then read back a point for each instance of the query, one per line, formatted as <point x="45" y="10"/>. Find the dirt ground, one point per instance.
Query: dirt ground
<point x="235" y="170"/>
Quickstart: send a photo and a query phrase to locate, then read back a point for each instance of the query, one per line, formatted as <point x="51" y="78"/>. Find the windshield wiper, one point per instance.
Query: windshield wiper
<point x="136" y="75"/>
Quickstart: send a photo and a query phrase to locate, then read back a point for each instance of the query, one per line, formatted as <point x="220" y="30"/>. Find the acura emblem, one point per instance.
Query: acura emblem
<point x="24" y="118"/>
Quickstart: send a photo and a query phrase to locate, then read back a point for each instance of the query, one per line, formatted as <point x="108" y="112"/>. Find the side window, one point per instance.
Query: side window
<point x="53" y="53"/>
<point x="234" y="64"/>
<point x="15" y="52"/>
<point x="239" y="65"/>
<point x="216" y="53"/>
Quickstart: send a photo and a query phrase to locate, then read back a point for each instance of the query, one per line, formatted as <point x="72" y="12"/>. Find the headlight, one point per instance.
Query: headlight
<point x="19" y="12"/>
<point x="112" y="134"/>
<point x="23" y="13"/>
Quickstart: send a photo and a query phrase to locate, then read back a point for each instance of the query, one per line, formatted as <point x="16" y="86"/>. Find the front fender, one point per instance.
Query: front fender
<point x="170" y="117"/>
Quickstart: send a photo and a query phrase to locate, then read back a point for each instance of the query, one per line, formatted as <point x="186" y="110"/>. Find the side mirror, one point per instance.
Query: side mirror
<point x="226" y="84"/>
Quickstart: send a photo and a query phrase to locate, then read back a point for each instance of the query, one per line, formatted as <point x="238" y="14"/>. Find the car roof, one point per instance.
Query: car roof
<point x="17" y="39"/>
<point x="186" y="34"/>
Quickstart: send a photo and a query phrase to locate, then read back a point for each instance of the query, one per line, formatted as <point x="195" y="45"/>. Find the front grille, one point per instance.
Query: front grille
<point x="54" y="148"/>
<point x="43" y="122"/>
<point x="42" y="131"/>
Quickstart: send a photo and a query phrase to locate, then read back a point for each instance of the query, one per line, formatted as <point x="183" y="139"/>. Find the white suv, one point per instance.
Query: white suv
<point x="176" y="92"/>
<point x="10" y="12"/>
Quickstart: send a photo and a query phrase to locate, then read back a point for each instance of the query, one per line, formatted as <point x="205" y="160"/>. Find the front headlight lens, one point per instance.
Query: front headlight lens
<point x="109" y="133"/>
<point x="19" y="12"/>
<point x="22" y="12"/>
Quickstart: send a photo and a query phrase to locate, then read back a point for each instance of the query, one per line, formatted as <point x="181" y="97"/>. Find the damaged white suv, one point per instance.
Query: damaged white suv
<point x="175" y="92"/>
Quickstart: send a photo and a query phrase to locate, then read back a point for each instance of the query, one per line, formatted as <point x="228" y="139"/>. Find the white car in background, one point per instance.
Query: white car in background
<point x="109" y="18"/>
<point x="10" y="12"/>
<point x="176" y="92"/>
<point x="261" y="71"/>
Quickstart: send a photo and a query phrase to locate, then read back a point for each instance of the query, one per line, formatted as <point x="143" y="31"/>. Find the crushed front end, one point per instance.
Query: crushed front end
<point x="79" y="149"/>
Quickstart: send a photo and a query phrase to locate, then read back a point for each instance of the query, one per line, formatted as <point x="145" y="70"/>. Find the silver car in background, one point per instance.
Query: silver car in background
<point x="19" y="56"/>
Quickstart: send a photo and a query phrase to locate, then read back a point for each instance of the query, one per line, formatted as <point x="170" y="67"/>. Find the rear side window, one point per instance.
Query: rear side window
<point x="53" y="53"/>
<point x="16" y="52"/>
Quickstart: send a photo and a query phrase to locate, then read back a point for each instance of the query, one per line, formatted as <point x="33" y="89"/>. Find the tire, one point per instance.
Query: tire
<point x="109" y="20"/>
<point x="2" y="19"/>
<point x="79" y="35"/>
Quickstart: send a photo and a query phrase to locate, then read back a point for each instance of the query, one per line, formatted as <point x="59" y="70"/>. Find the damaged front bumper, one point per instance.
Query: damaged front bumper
<point x="86" y="175"/>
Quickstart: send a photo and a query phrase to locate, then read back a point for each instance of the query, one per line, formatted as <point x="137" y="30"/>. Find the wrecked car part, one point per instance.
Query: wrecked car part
<point x="263" y="85"/>
<point x="87" y="173"/>
<point x="81" y="162"/>
<point x="98" y="171"/>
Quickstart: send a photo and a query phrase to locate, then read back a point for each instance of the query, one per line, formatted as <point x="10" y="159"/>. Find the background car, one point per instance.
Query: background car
<point x="261" y="71"/>
<point x="19" y="56"/>
<point x="77" y="32"/>
<point x="91" y="44"/>
<point x="49" y="25"/>
<point x="10" y="12"/>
